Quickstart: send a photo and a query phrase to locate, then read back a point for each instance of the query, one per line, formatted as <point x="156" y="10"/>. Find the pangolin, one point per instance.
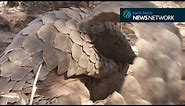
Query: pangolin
<point x="67" y="47"/>
<point x="77" y="45"/>
<point x="157" y="72"/>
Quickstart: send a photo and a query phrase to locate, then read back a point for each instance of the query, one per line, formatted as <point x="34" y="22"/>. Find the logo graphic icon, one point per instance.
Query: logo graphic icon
<point x="126" y="14"/>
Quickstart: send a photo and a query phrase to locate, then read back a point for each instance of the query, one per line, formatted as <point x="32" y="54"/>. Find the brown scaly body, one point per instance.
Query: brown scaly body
<point x="57" y="40"/>
<point x="156" y="76"/>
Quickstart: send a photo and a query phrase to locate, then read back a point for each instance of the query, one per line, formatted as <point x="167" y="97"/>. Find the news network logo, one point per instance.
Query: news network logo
<point x="152" y="14"/>
<point x="126" y="14"/>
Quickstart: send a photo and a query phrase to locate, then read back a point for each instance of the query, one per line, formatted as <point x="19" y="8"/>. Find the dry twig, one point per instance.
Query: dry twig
<point x="34" y="85"/>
